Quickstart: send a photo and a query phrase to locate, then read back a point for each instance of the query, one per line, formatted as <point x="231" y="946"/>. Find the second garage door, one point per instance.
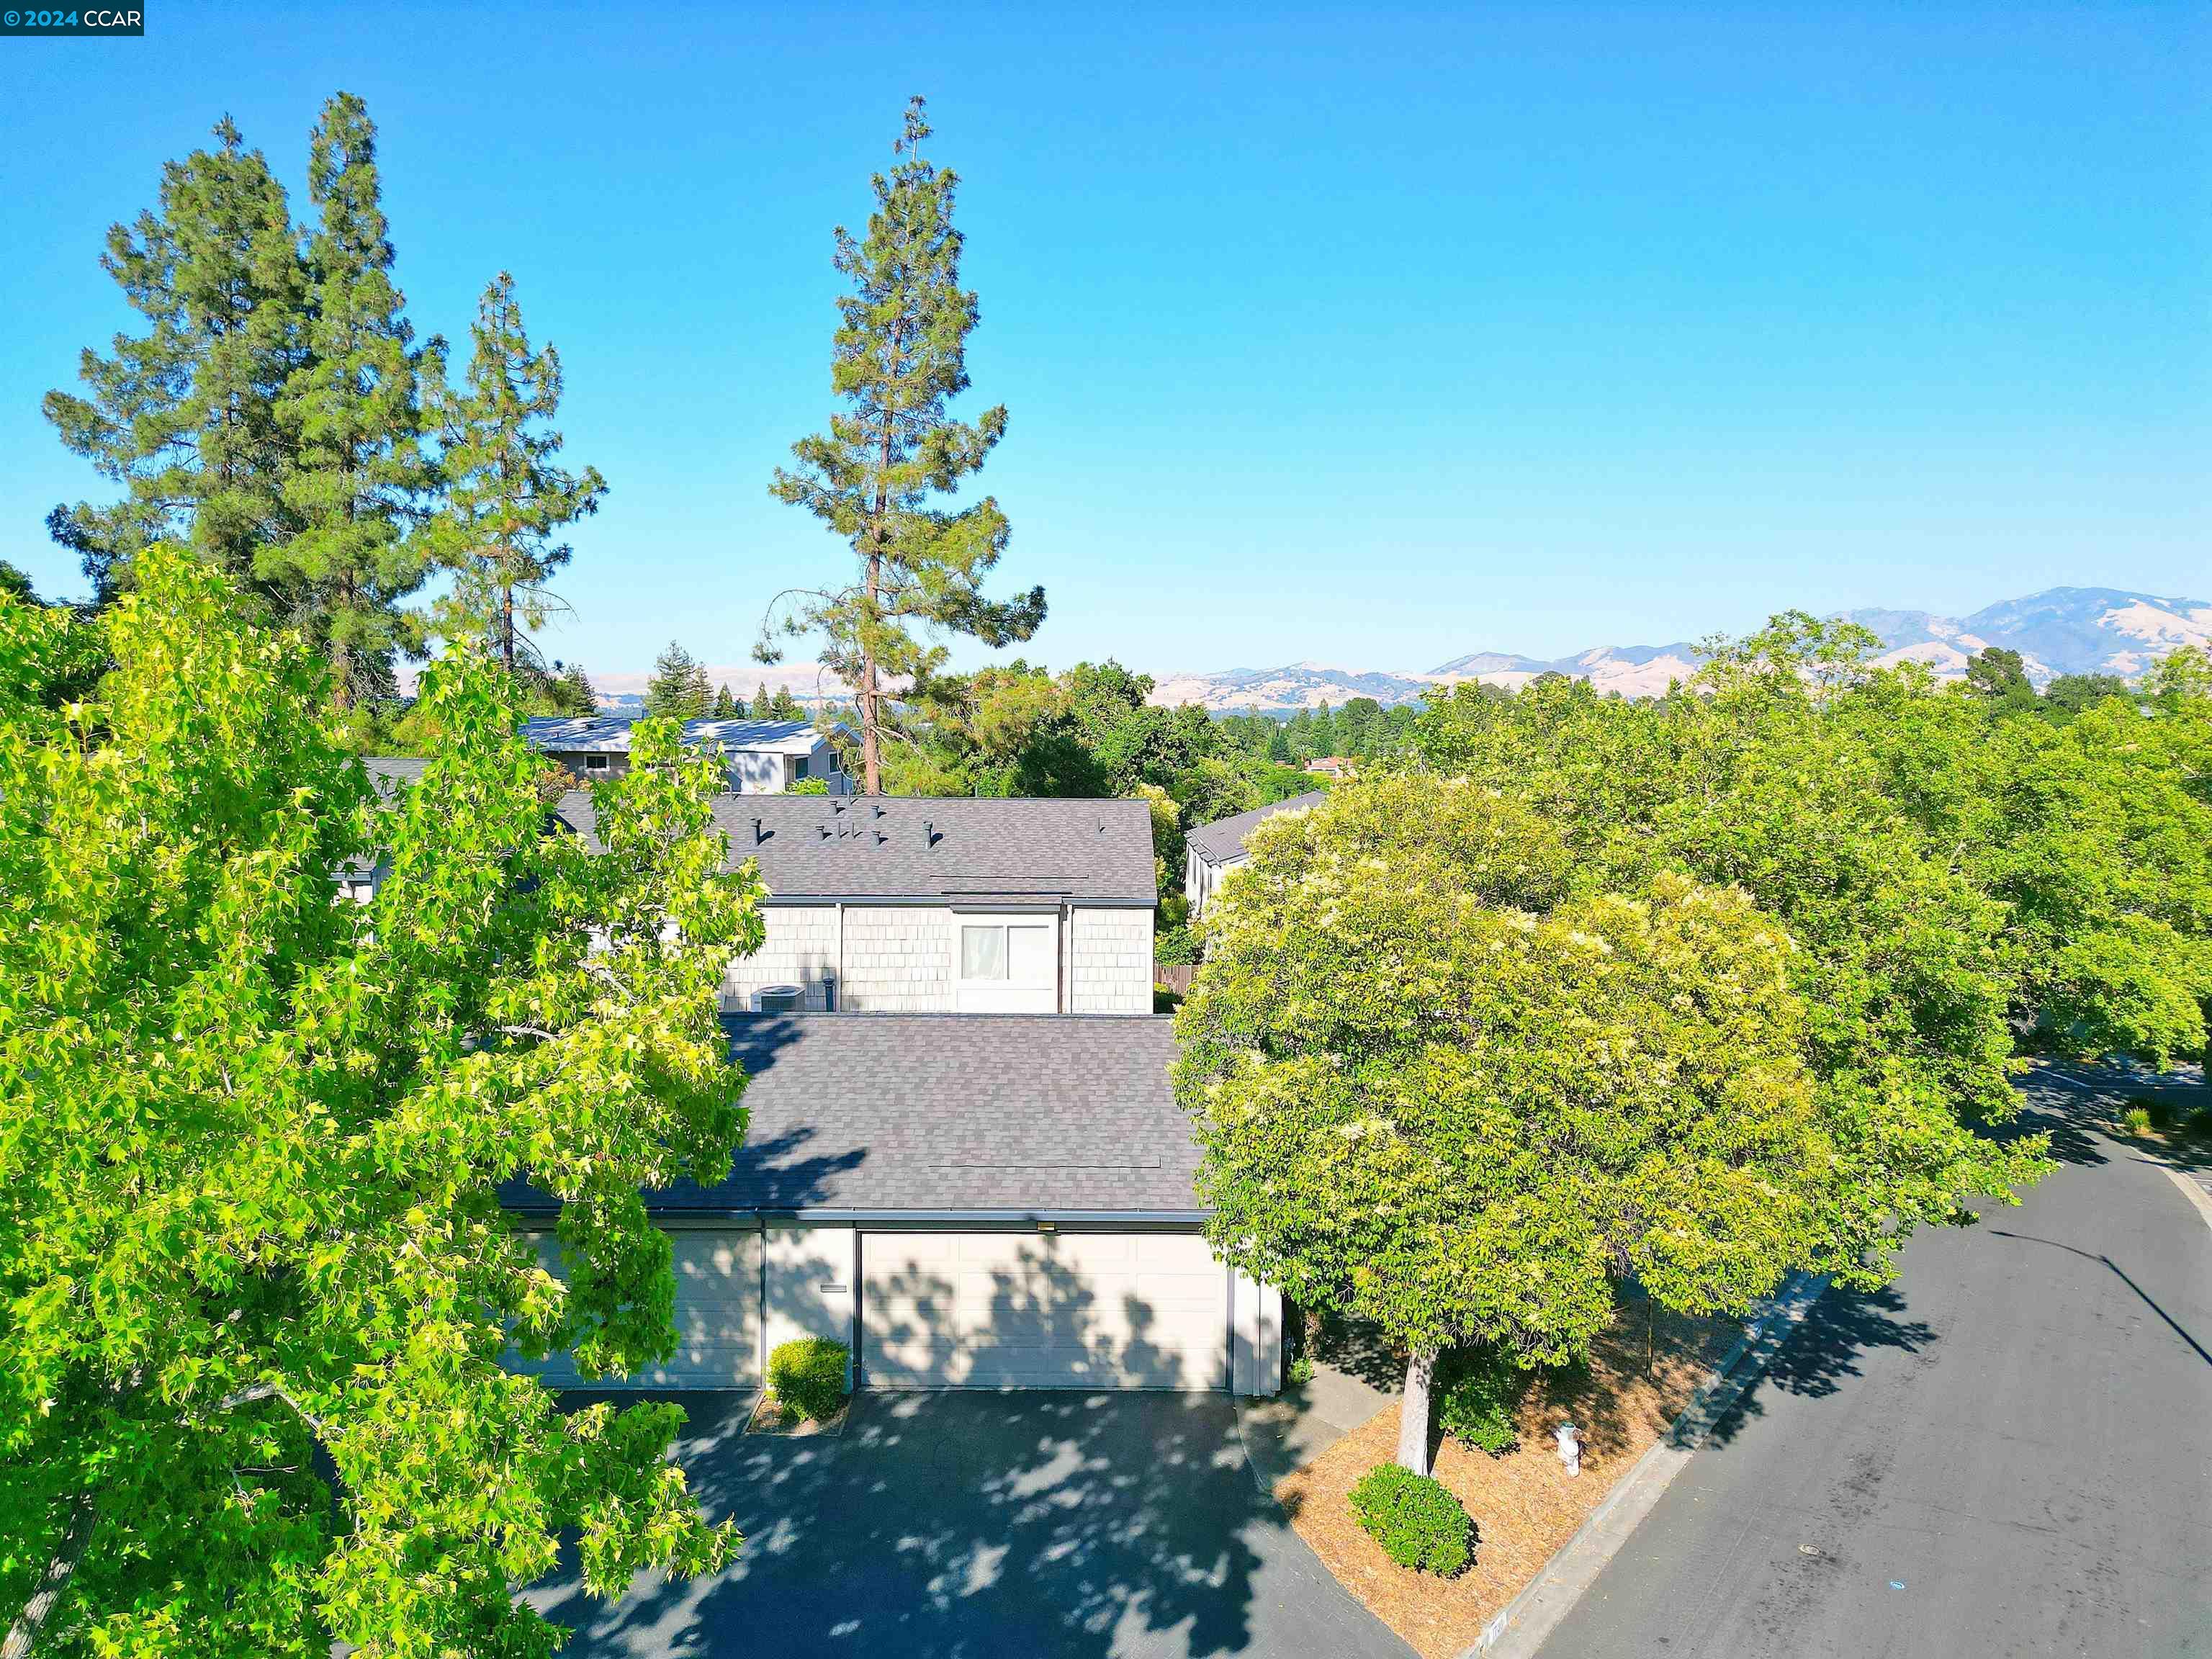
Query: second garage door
<point x="1032" y="1311"/>
<point x="718" y="1322"/>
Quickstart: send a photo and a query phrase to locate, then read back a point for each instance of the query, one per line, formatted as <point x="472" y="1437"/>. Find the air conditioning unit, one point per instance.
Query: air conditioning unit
<point x="780" y="1000"/>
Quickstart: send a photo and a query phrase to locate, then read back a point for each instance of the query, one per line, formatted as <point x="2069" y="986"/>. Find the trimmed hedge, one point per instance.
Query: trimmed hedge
<point x="1477" y="1392"/>
<point x="1417" y="1522"/>
<point x="808" y="1375"/>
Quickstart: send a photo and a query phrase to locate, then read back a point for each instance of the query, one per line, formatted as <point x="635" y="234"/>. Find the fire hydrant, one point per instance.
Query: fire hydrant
<point x="1570" y="1448"/>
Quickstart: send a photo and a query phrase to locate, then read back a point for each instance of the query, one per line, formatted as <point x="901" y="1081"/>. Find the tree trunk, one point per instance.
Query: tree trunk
<point x="23" y="1634"/>
<point x="871" y="782"/>
<point x="1413" y="1412"/>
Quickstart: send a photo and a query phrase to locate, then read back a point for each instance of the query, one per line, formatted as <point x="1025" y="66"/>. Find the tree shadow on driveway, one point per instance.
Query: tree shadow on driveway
<point x="976" y="1524"/>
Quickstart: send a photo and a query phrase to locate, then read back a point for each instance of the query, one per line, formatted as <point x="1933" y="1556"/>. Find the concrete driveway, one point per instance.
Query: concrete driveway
<point x="970" y="1525"/>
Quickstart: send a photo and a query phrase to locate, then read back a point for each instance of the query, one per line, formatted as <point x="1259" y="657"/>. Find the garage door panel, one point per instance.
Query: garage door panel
<point x="1044" y="1310"/>
<point x="717" y="1279"/>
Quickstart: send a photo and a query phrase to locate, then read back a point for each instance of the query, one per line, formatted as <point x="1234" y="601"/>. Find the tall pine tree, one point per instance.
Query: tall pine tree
<point x="899" y="357"/>
<point x="183" y="417"/>
<point x="353" y="414"/>
<point x="507" y="496"/>
<point x="678" y="689"/>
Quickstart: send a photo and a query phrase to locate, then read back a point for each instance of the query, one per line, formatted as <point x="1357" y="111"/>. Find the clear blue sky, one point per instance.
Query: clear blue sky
<point x="1375" y="338"/>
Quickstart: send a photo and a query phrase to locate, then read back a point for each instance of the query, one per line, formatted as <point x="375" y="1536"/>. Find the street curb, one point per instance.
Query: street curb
<point x="2196" y="1194"/>
<point x="1522" y="1624"/>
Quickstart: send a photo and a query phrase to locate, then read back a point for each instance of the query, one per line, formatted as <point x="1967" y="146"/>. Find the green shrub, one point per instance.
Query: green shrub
<point x="809" y="786"/>
<point x="1417" y="1522"/>
<point x="808" y="1375"/>
<point x="2136" y="1121"/>
<point x="1478" y="1391"/>
<point x="1302" y="1371"/>
<point x="1174" y="947"/>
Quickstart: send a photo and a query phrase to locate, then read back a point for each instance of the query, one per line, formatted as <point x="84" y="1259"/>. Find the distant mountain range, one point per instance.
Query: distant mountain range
<point x="2063" y="630"/>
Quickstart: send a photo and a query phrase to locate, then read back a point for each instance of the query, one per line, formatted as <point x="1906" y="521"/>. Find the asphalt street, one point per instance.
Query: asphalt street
<point x="2007" y="1453"/>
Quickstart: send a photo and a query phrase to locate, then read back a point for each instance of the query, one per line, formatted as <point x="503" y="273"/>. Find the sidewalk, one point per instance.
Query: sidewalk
<point x="1283" y="1435"/>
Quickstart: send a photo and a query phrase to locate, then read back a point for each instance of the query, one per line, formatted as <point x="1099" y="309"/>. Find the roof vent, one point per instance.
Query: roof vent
<point x="757" y="837"/>
<point x="928" y="833"/>
<point x="780" y="1000"/>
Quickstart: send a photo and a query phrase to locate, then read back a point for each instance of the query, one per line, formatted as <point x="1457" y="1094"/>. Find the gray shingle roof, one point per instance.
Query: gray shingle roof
<point x="1222" y="842"/>
<point x="817" y="848"/>
<point x="609" y="734"/>
<point x="386" y="771"/>
<point x="920" y="1113"/>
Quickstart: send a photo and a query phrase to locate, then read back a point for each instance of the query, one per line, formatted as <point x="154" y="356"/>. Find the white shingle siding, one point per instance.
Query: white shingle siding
<point x="1110" y="962"/>
<point x="898" y="959"/>
<point x="801" y="950"/>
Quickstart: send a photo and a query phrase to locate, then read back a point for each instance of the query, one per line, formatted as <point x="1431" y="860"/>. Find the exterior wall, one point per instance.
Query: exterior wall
<point x="898" y="959"/>
<point x="577" y="764"/>
<point x="811" y="1276"/>
<point x="1255" y="1337"/>
<point x="751" y="771"/>
<point x="1110" y="962"/>
<point x="901" y="958"/>
<point x="1202" y="880"/>
<point x="801" y="949"/>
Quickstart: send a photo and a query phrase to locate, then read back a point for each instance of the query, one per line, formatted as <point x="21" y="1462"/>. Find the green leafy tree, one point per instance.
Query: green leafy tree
<point x="184" y="416"/>
<point x="505" y="497"/>
<point x="353" y="414"/>
<point x="1443" y="1082"/>
<point x="763" y="707"/>
<point x="570" y="692"/>
<point x="900" y="356"/>
<point x="2001" y="676"/>
<point x="727" y="707"/>
<point x="785" y="706"/>
<point x="678" y="689"/>
<point x="2072" y="694"/>
<point x="255" y="1279"/>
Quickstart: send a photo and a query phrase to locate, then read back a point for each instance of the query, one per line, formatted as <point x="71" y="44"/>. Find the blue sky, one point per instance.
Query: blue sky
<point x="1363" y="337"/>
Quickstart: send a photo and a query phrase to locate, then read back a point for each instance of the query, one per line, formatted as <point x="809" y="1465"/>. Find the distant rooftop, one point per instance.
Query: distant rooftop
<point x="609" y="734"/>
<point x="815" y="848"/>
<point x="1223" y="842"/>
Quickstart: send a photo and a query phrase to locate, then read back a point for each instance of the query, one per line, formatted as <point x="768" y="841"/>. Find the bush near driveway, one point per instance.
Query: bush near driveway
<point x="1417" y="1522"/>
<point x="808" y="1376"/>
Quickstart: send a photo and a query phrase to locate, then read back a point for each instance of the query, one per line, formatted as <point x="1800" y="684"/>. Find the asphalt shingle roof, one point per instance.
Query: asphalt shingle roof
<point x="1222" y="842"/>
<point x="387" y="771"/>
<point x="812" y="849"/>
<point x="927" y="1113"/>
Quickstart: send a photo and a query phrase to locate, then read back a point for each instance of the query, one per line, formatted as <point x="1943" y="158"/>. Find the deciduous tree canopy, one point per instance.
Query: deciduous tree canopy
<point x="255" y="1280"/>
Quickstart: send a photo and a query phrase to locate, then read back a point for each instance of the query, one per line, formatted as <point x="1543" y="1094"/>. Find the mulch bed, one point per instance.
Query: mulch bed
<point x="1523" y="1505"/>
<point x="770" y="1417"/>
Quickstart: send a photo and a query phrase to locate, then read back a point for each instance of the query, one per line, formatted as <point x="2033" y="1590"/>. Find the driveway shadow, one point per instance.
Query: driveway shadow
<point x="975" y="1524"/>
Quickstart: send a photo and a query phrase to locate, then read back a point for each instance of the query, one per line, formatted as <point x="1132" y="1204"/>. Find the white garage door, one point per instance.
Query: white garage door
<point x="718" y="1297"/>
<point x="1053" y="1310"/>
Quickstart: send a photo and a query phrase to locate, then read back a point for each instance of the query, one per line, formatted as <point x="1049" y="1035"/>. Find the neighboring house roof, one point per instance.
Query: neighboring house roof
<point x="609" y="734"/>
<point x="387" y="771"/>
<point x="923" y="1114"/>
<point x="815" y="848"/>
<point x="1222" y="842"/>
